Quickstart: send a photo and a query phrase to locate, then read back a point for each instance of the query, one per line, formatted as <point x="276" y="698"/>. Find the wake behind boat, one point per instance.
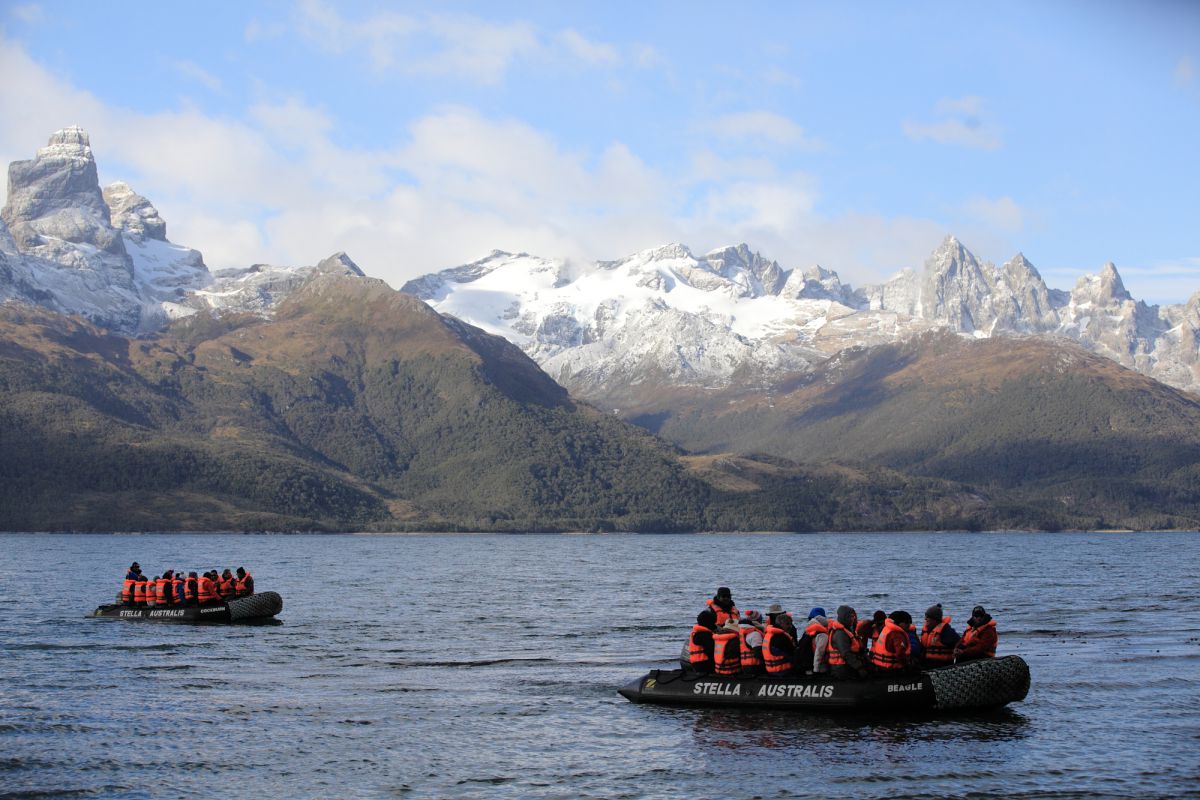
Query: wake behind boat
<point x="987" y="683"/>
<point x="257" y="609"/>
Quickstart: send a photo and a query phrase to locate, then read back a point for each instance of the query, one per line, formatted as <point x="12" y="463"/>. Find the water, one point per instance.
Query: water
<point x="487" y="666"/>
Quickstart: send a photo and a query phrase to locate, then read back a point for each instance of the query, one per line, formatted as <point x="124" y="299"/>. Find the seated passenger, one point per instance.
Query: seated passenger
<point x="891" y="650"/>
<point x="244" y="583"/>
<point x="722" y="605"/>
<point x="207" y="589"/>
<point x="227" y="586"/>
<point x="779" y="643"/>
<point x="845" y="648"/>
<point x="868" y="630"/>
<point x="162" y="590"/>
<point x="980" y="638"/>
<point x="751" y="632"/>
<point x="812" y="649"/>
<point x="126" y="596"/>
<point x="937" y="638"/>
<point x="700" y="642"/>
<point x="139" y="591"/>
<point x="152" y="591"/>
<point x="177" y="587"/>
<point x="727" y="649"/>
<point x="191" y="589"/>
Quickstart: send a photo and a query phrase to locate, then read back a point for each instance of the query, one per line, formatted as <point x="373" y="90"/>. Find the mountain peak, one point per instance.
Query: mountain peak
<point x="72" y="142"/>
<point x="340" y="264"/>
<point x="132" y="213"/>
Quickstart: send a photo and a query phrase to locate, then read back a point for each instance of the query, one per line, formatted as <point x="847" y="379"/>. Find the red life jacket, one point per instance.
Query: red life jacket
<point x="835" y="655"/>
<point x="226" y="587"/>
<point x="722" y="614"/>
<point x="162" y="591"/>
<point x="190" y="592"/>
<point x="127" y="590"/>
<point x="726" y="659"/>
<point x="749" y="656"/>
<point x="242" y="585"/>
<point x="696" y="653"/>
<point x="931" y="640"/>
<point x="882" y="656"/>
<point x="971" y="634"/>
<point x="139" y="591"/>
<point x="208" y="589"/>
<point x="775" y="663"/>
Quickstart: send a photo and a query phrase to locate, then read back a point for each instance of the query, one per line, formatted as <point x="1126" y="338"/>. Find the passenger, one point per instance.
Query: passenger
<point x="751" y="632"/>
<point x="700" y="642"/>
<point x="845" y="648"/>
<point x="980" y="638"/>
<point x="191" y="589"/>
<point x="227" y="586"/>
<point x="177" y="587"/>
<point x="207" y="589"/>
<point x="722" y="605"/>
<point x="127" y="587"/>
<point x="779" y="645"/>
<point x="812" y="650"/>
<point x="891" y="650"/>
<point x="152" y="591"/>
<point x="727" y="649"/>
<point x="916" y="650"/>
<point x="937" y="638"/>
<point x="868" y="630"/>
<point x="139" y="591"/>
<point x="162" y="590"/>
<point x="245" y="583"/>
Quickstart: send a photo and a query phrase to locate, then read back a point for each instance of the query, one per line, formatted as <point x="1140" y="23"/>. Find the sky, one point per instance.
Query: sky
<point x="417" y="137"/>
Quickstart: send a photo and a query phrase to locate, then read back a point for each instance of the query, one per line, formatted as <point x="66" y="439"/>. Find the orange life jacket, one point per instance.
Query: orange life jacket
<point x="240" y="584"/>
<point x="722" y="614"/>
<point x="189" y="588"/>
<point x="970" y="634"/>
<point x="162" y="591"/>
<point x="139" y="591"/>
<point x="749" y="656"/>
<point x="726" y="659"/>
<point x="177" y="589"/>
<point x="774" y="662"/>
<point x="883" y="657"/>
<point x="127" y="590"/>
<point x="208" y="590"/>
<point x="835" y="655"/>
<point x="226" y="587"/>
<point x="931" y="640"/>
<point x="696" y="653"/>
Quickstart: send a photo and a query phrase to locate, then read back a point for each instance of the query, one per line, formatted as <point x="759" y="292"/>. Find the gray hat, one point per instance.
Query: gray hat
<point x="775" y="609"/>
<point x="730" y="625"/>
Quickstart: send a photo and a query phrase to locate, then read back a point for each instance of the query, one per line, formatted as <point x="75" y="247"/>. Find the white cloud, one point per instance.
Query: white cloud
<point x="588" y="51"/>
<point x="276" y="187"/>
<point x="763" y="126"/>
<point x="1002" y="212"/>
<point x="195" y="72"/>
<point x="1185" y="72"/>
<point x="962" y="122"/>
<point x="28" y="13"/>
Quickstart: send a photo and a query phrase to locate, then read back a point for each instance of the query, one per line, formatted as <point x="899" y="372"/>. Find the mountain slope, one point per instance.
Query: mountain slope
<point x="1038" y="421"/>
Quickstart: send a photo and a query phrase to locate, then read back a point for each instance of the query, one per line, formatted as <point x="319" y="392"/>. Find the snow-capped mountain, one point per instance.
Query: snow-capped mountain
<point x="617" y="332"/>
<point x="69" y="246"/>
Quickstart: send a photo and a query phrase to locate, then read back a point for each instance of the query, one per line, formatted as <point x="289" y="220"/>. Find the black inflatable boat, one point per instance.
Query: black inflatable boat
<point x="255" y="609"/>
<point x="987" y="683"/>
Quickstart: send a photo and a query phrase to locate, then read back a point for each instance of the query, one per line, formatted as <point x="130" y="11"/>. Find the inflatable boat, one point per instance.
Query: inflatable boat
<point x="253" y="610"/>
<point x="987" y="683"/>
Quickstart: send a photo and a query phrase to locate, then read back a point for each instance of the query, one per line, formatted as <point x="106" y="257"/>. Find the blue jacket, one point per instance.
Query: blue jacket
<point x="915" y="650"/>
<point x="131" y="576"/>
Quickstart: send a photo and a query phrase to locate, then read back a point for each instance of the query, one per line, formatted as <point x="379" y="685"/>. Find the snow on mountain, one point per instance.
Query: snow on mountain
<point x="619" y="331"/>
<point x="260" y="288"/>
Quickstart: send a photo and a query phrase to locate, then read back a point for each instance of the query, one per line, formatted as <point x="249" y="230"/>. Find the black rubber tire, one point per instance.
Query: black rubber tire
<point x="265" y="604"/>
<point x="982" y="683"/>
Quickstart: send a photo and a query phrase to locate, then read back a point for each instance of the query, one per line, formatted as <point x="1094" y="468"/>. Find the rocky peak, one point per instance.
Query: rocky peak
<point x="133" y="214"/>
<point x="735" y="261"/>
<point x="665" y="253"/>
<point x="339" y="264"/>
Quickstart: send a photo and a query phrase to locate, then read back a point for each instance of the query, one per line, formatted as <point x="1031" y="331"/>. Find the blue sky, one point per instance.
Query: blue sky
<point x="416" y="137"/>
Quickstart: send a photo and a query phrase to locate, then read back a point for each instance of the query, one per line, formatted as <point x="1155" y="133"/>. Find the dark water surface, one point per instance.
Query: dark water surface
<point x="442" y="666"/>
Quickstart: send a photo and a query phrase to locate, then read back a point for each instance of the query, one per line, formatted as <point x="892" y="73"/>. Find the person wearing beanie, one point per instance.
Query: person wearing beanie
<point x="846" y="650"/>
<point x="938" y="639"/>
<point x="722" y="605"/>
<point x="980" y="638"/>
<point x="700" y="642"/>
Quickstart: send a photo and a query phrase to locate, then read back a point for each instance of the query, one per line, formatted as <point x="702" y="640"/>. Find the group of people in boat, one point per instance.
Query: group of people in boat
<point x="175" y="588"/>
<point x="725" y="641"/>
